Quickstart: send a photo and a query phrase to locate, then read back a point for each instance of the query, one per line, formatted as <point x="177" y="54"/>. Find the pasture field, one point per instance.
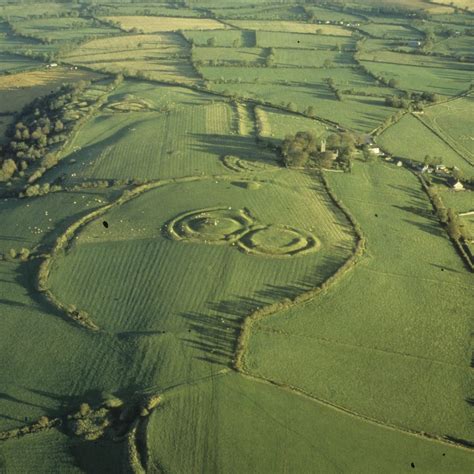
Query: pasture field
<point x="266" y="12"/>
<point x="147" y="8"/>
<point x="369" y="337"/>
<point x="33" y="223"/>
<point x="49" y="449"/>
<point x="326" y="14"/>
<point x="229" y="56"/>
<point x="63" y="29"/>
<point x="439" y="80"/>
<point x="462" y="46"/>
<point x="164" y="56"/>
<point x="454" y="122"/>
<point x="35" y="386"/>
<point x="14" y="44"/>
<point x="176" y="297"/>
<point x="13" y="10"/>
<point x="162" y="98"/>
<point x="290" y="26"/>
<point x="277" y="124"/>
<point x="423" y="5"/>
<point x="318" y="59"/>
<point x="303" y="88"/>
<point x="155" y="24"/>
<point x="281" y="39"/>
<point x="10" y="63"/>
<point x="17" y="90"/>
<point x="391" y="57"/>
<point x="221" y="38"/>
<point x="419" y="141"/>
<point x="462" y="201"/>
<point x="274" y="429"/>
<point x="388" y="31"/>
<point x="458" y="3"/>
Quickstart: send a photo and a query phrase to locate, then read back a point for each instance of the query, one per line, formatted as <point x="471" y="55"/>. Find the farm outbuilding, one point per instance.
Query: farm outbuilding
<point x="456" y="184"/>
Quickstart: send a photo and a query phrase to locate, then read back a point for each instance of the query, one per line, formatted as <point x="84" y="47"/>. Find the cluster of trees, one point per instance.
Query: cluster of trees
<point x="397" y="102"/>
<point x="413" y="100"/>
<point x="270" y="59"/>
<point x="39" y="128"/>
<point x="303" y="150"/>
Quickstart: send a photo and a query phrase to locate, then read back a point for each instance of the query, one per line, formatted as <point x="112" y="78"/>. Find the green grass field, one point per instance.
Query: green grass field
<point x="290" y="26"/>
<point x="11" y="64"/>
<point x="277" y="125"/>
<point x="63" y="29"/>
<point x="454" y="122"/>
<point x="267" y="12"/>
<point x="448" y="82"/>
<point x="419" y="141"/>
<point x="282" y="39"/>
<point x="391" y="31"/>
<point x="177" y="300"/>
<point x="162" y="56"/>
<point x="306" y="436"/>
<point x="369" y="337"/>
<point x="221" y="38"/>
<point x="303" y="88"/>
<point x="183" y="142"/>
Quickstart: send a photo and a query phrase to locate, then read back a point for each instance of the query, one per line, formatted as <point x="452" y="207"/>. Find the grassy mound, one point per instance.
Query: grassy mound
<point x="128" y="105"/>
<point x="210" y="225"/>
<point x="278" y="240"/>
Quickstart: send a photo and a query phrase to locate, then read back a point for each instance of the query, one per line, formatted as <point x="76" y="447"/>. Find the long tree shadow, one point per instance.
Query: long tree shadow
<point x="214" y="332"/>
<point x="244" y="147"/>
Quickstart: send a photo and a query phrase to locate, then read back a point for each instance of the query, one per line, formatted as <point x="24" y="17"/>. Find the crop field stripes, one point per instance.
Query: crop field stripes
<point x="264" y="128"/>
<point x="218" y="118"/>
<point x="245" y="119"/>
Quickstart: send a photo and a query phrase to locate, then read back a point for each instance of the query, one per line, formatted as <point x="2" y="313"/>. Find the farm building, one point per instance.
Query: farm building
<point x="376" y="150"/>
<point x="456" y="184"/>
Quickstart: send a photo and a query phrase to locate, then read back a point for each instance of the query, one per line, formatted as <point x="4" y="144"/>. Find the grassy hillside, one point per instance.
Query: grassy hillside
<point x="370" y="336"/>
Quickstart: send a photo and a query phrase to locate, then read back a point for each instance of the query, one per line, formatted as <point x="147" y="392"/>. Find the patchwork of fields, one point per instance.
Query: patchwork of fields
<point x="177" y="295"/>
<point x="163" y="57"/>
